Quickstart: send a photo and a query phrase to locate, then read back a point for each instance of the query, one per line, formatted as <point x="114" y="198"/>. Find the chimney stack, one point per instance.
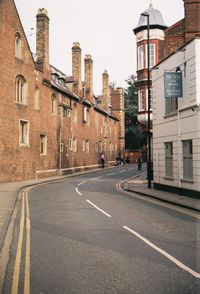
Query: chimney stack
<point x="42" y="38"/>
<point x="88" y="77"/>
<point x="105" y="92"/>
<point x="192" y="19"/>
<point x="76" y="68"/>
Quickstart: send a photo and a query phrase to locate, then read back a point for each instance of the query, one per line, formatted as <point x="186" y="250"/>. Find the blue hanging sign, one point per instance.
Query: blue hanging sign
<point x="173" y="84"/>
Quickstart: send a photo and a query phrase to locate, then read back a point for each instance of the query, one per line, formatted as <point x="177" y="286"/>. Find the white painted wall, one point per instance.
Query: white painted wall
<point x="183" y="125"/>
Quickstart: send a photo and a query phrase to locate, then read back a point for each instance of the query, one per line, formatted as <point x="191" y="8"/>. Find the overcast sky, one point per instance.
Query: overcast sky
<point x="104" y="29"/>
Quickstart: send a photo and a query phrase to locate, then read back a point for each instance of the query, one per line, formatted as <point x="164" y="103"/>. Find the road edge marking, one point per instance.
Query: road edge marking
<point x="27" y="259"/>
<point x="19" y="251"/>
<point x="167" y="255"/>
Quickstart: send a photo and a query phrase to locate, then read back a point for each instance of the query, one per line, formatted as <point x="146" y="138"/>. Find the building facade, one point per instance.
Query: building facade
<point x="176" y="124"/>
<point x="175" y="121"/>
<point x="51" y="123"/>
<point x="156" y="53"/>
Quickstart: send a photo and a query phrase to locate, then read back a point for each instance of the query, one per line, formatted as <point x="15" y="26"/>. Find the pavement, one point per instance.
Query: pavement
<point x="9" y="196"/>
<point x="139" y="185"/>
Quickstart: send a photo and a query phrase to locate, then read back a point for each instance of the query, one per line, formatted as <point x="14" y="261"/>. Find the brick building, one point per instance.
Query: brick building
<point x="163" y="41"/>
<point x="51" y="123"/>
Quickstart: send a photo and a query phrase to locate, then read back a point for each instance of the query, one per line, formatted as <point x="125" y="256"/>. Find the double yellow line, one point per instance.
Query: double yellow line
<point x="24" y="221"/>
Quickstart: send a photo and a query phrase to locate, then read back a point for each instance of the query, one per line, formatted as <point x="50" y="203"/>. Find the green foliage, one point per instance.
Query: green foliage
<point x="135" y="135"/>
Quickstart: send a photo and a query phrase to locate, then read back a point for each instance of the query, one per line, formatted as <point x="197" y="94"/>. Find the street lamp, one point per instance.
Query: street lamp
<point x="146" y="14"/>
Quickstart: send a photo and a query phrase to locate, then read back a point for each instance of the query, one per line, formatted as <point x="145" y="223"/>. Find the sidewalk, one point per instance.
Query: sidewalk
<point x="139" y="185"/>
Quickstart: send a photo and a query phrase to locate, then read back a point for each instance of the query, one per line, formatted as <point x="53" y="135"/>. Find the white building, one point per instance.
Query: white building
<point x="176" y="123"/>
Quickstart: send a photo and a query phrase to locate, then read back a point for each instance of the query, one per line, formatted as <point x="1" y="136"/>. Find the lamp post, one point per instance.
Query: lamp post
<point x="146" y="14"/>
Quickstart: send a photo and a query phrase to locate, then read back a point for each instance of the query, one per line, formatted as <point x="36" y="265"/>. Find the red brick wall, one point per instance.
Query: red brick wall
<point x="174" y="37"/>
<point x="19" y="163"/>
<point x="192" y="19"/>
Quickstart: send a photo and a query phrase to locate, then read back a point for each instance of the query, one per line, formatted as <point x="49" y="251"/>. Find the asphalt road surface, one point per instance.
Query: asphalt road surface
<point x="83" y="235"/>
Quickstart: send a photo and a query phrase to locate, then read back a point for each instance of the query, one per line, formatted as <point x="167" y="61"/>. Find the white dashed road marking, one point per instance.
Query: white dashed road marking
<point x="99" y="209"/>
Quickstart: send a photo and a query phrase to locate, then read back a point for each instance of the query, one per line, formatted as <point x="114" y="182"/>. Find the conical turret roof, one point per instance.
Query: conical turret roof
<point x="155" y="20"/>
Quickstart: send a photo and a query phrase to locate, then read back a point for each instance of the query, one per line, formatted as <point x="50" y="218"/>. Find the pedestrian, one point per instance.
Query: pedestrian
<point x="127" y="159"/>
<point x="139" y="162"/>
<point x="102" y="160"/>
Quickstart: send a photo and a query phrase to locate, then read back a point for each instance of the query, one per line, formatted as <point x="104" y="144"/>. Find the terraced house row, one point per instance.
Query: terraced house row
<point x="51" y="123"/>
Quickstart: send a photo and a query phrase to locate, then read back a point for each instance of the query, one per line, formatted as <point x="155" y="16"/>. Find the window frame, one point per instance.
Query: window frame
<point x="53" y="105"/>
<point x="20" y="90"/>
<point x="152" y="54"/>
<point x="141" y="100"/>
<point x="75" y="113"/>
<point x="43" y="144"/>
<point x="18" y="46"/>
<point x="171" y="105"/>
<point x="169" y="159"/>
<point x="140" y="57"/>
<point x="23" y="133"/>
<point x="37" y="99"/>
<point x="187" y="159"/>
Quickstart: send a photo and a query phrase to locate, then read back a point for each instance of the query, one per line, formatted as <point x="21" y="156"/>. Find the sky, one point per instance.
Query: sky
<point x="104" y="29"/>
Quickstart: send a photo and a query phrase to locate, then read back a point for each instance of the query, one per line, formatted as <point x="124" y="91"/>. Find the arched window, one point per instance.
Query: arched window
<point x="75" y="118"/>
<point x="53" y="105"/>
<point x="20" y="90"/>
<point x="37" y="99"/>
<point x="18" y="46"/>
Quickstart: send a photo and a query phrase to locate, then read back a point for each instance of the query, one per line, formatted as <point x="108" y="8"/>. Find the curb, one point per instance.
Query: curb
<point x="126" y="188"/>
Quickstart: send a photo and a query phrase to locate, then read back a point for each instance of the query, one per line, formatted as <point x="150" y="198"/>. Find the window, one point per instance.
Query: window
<point x="85" y="114"/>
<point x="150" y="99"/>
<point x="171" y="105"/>
<point x="43" y="144"/>
<point x="111" y="147"/>
<point x="88" y="117"/>
<point x="53" y="105"/>
<point x="61" y="147"/>
<point x="152" y="55"/>
<point x="74" y="145"/>
<point x="140" y="57"/>
<point x="97" y="147"/>
<point x="169" y="159"/>
<point x="75" y="119"/>
<point x="20" y="90"/>
<point x="141" y="100"/>
<point x="115" y="147"/>
<point x="37" y="99"/>
<point x="18" y="46"/>
<point x="64" y="111"/>
<point x="87" y="146"/>
<point x="70" y="144"/>
<point x="83" y="144"/>
<point x="187" y="159"/>
<point x="23" y="133"/>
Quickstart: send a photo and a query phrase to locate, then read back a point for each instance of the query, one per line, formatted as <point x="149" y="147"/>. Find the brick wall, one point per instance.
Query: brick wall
<point x="101" y="132"/>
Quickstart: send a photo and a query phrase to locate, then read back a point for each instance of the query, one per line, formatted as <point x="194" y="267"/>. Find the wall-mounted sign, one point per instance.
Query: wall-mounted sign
<point x="173" y="84"/>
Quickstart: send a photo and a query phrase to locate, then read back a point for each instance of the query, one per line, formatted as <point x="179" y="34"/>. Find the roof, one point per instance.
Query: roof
<point x="155" y="20"/>
<point x="62" y="86"/>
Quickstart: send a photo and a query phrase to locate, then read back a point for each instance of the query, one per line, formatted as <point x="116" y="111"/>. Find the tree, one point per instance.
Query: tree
<point x="135" y="135"/>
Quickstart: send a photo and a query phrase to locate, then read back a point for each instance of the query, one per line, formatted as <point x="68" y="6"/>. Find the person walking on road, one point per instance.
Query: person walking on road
<point x="139" y="162"/>
<point x="102" y="160"/>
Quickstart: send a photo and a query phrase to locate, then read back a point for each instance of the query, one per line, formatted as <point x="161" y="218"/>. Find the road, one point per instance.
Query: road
<point x="83" y="235"/>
